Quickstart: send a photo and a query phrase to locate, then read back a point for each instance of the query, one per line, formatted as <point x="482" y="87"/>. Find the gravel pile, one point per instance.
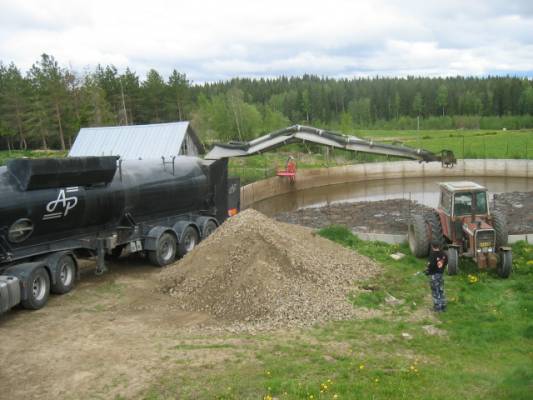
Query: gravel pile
<point x="254" y="272"/>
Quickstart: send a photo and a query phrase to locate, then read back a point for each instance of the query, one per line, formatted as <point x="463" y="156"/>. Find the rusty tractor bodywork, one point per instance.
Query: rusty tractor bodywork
<point x="464" y="224"/>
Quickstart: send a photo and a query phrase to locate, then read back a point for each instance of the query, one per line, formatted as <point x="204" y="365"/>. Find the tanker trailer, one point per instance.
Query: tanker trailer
<point x="55" y="211"/>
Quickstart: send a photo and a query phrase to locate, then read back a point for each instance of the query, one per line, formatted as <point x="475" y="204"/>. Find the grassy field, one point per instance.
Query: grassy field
<point x="7" y="155"/>
<point x="464" y="143"/>
<point x="482" y="347"/>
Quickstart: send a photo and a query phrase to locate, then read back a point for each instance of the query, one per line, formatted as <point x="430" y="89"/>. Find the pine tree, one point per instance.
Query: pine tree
<point x="442" y="97"/>
<point x="51" y="88"/>
<point x="178" y="86"/>
<point x="14" y="100"/>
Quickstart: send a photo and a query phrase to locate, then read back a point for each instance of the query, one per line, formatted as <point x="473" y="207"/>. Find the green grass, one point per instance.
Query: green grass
<point x="464" y="143"/>
<point x="486" y="352"/>
<point x="8" y="155"/>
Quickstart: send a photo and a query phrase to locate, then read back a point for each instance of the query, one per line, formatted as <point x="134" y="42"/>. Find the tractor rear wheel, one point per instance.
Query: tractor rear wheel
<point x="500" y="228"/>
<point x="505" y="263"/>
<point x="435" y="227"/>
<point x="453" y="261"/>
<point x="418" y="236"/>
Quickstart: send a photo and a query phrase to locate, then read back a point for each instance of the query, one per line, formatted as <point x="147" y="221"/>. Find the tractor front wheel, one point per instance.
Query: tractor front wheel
<point x="418" y="236"/>
<point x="505" y="263"/>
<point x="453" y="261"/>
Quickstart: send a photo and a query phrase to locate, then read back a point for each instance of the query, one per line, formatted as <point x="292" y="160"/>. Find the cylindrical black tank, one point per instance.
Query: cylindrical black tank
<point x="32" y="213"/>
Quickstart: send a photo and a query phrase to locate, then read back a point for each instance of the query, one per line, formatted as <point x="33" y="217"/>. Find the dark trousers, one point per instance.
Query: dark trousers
<point x="436" y="283"/>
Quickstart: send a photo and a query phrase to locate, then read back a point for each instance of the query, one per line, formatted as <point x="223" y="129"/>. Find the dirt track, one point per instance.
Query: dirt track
<point x="117" y="334"/>
<point x="112" y="335"/>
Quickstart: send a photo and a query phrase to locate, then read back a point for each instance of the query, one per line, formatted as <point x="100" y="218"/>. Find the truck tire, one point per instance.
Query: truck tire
<point x="505" y="263"/>
<point x="209" y="227"/>
<point x="500" y="228"/>
<point x="165" y="251"/>
<point x="453" y="261"/>
<point x="189" y="240"/>
<point x="435" y="227"/>
<point x="38" y="289"/>
<point x="66" y="275"/>
<point x="418" y="236"/>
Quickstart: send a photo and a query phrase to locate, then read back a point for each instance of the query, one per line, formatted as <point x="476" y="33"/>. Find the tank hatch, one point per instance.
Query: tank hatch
<point x="44" y="173"/>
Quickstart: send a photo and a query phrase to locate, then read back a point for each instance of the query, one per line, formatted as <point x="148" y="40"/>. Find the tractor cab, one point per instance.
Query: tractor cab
<point x="462" y="199"/>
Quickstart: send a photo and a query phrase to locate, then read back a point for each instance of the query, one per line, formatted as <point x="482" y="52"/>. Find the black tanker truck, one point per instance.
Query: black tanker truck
<point x="55" y="211"/>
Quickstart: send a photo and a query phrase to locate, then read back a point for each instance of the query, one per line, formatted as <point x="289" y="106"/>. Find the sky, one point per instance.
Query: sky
<point x="213" y="40"/>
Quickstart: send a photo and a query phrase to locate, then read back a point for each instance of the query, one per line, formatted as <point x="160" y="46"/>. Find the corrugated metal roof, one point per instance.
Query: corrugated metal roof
<point x="131" y="142"/>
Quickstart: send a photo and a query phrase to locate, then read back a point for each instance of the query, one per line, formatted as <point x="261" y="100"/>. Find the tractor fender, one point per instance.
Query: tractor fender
<point x="23" y="271"/>
<point x="179" y="229"/>
<point x="201" y="222"/>
<point x="150" y="240"/>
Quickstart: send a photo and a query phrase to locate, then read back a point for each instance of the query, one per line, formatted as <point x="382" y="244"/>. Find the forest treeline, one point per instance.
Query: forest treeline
<point x="47" y="105"/>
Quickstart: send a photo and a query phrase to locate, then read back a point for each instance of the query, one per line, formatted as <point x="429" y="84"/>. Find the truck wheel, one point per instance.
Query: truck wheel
<point x="505" y="263"/>
<point x="500" y="228"/>
<point x="418" y="236"/>
<point x="189" y="240"/>
<point x="165" y="251"/>
<point x="209" y="228"/>
<point x="66" y="275"/>
<point x="435" y="227"/>
<point x="453" y="261"/>
<point x="38" y="289"/>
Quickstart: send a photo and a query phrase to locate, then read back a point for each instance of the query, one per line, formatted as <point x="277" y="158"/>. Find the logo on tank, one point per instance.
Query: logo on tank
<point x="61" y="206"/>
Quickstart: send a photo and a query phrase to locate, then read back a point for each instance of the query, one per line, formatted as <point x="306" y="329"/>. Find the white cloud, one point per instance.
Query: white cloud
<point x="211" y="40"/>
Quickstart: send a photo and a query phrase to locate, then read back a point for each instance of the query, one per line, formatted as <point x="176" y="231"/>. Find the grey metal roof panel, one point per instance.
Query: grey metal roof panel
<point x="461" y="185"/>
<point x="131" y="142"/>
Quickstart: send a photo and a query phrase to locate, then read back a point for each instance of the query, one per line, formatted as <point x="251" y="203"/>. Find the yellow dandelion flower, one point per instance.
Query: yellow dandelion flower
<point x="335" y="396"/>
<point x="362" y="366"/>
<point x="376" y="380"/>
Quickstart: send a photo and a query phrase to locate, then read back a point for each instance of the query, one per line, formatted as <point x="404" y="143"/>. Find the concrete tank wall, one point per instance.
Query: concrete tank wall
<point x="312" y="178"/>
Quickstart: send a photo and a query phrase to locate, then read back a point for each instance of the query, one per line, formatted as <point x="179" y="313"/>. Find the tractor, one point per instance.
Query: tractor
<point x="464" y="225"/>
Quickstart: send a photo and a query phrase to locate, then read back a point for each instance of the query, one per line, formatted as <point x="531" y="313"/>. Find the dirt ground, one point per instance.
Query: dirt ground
<point x="112" y="335"/>
<point x="115" y="335"/>
<point x="392" y="216"/>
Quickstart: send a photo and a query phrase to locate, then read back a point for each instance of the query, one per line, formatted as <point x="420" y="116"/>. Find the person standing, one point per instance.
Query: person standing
<point x="436" y="265"/>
